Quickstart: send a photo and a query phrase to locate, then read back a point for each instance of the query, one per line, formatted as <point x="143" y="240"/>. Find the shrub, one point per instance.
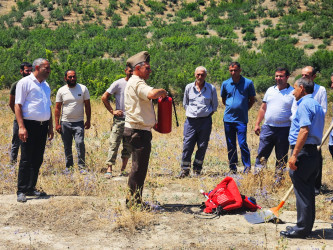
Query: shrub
<point x="267" y="22"/>
<point x="155" y="6"/>
<point x="28" y="22"/>
<point x="249" y="37"/>
<point x="136" y="21"/>
<point x="309" y="46"/>
<point x="225" y="31"/>
<point x="116" y="20"/>
<point x="322" y="46"/>
<point x="262" y="83"/>
<point x="39" y="19"/>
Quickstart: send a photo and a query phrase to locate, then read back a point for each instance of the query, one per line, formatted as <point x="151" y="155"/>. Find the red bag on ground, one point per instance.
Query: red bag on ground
<point x="227" y="196"/>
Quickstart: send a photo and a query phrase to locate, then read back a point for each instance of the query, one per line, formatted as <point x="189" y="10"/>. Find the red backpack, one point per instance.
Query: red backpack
<point x="227" y="196"/>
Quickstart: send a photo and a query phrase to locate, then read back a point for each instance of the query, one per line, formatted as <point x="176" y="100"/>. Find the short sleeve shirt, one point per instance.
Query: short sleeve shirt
<point x="139" y="109"/>
<point x="279" y="104"/>
<point x="237" y="99"/>
<point x="72" y="100"/>
<point x="200" y="103"/>
<point x="117" y="89"/>
<point x="34" y="96"/>
<point x="309" y="114"/>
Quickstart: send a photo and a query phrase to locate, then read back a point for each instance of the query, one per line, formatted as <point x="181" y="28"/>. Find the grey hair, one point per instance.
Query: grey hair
<point x="200" y="68"/>
<point x="306" y="83"/>
<point x="38" y="62"/>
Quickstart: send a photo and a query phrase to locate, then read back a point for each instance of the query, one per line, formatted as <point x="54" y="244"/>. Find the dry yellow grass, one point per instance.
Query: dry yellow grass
<point x="89" y="203"/>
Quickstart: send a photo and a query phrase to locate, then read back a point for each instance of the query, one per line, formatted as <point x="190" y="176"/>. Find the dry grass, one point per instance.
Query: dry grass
<point x="85" y="204"/>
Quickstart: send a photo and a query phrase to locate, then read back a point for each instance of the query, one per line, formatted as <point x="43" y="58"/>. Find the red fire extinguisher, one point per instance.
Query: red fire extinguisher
<point x="164" y="115"/>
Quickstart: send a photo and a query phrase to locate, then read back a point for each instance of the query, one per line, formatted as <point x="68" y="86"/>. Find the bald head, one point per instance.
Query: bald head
<point x="309" y="72"/>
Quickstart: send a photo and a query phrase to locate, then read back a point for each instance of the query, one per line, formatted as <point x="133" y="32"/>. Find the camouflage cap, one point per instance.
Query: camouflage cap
<point x="140" y="57"/>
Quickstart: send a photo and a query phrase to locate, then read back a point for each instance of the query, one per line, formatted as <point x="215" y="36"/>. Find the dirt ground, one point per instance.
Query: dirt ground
<point x="91" y="223"/>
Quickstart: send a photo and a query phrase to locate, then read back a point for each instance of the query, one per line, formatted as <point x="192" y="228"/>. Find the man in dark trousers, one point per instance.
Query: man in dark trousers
<point x="25" y="70"/>
<point x="200" y="102"/>
<point x="34" y="118"/>
<point x="140" y="119"/>
<point x="306" y="133"/>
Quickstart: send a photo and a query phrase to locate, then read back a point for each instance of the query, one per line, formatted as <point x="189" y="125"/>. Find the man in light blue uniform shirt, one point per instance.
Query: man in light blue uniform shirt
<point x="238" y="96"/>
<point x="200" y="102"/>
<point x="276" y="109"/>
<point x="306" y="133"/>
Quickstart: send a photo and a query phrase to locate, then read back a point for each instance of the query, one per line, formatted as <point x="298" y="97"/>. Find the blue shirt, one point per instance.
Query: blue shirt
<point x="200" y="104"/>
<point x="237" y="99"/>
<point x="309" y="114"/>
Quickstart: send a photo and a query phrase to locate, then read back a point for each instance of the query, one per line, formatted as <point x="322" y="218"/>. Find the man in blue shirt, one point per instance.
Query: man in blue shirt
<point x="306" y="133"/>
<point x="238" y="96"/>
<point x="200" y="102"/>
<point x="276" y="109"/>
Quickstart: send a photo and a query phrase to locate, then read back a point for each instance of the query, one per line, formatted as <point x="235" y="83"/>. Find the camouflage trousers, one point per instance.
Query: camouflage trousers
<point x="116" y="137"/>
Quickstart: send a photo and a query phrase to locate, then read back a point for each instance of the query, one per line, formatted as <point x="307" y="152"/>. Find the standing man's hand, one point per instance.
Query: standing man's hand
<point x="292" y="163"/>
<point x="23" y="134"/>
<point x="118" y="113"/>
<point x="58" y="128"/>
<point x="87" y="125"/>
<point x="257" y="130"/>
<point x="50" y="134"/>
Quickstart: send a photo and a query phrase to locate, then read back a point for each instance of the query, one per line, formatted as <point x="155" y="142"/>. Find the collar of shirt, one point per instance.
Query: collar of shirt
<point x="34" y="79"/>
<point x="203" y="88"/>
<point x="303" y="98"/>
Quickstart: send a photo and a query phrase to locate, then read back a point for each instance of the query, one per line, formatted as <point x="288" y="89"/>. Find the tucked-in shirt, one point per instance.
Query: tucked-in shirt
<point x="309" y="114"/>
<point x="117" y="89"/>
<point x="279" y="104"/>
<point x="34" y="98"/>
<point x="139" y="109"/>
<point x="72" y="102"/>
<point x="330" y="142"/>
<point x="237" y="99"/>
<point x="200" y="103"/>
<point x="319" y="94"/>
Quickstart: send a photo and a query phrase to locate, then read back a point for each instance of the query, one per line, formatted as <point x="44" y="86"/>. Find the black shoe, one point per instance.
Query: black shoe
<point x="183" y="174"/>
<point x="21" y="197"/>
<point x="233" y="171"/>
<point x="289" y="228"/>
<point x="291" y="234"/>
<point x="36" y="193"/>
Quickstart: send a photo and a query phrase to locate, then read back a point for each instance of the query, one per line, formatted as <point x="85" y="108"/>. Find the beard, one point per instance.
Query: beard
<point x="71" y="84"/>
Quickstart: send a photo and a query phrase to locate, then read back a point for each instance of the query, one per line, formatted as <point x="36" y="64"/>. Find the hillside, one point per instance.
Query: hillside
<point x="261" y="34"/>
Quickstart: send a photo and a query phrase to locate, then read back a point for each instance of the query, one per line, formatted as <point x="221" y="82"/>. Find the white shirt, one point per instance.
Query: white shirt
<point x="279" y="104"/>
<point x="319" y="94"/>
<point x="117" y="89"/>
<point x="73" y="102"/>
<point x="34" y="98"/>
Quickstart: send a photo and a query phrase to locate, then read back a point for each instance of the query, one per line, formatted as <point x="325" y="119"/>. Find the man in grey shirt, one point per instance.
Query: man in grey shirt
<point x="117" y="89"/>
<point x="200" y="102"/>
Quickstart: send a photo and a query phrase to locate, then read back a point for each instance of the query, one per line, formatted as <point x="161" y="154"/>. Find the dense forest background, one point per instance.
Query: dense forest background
<point x="96" y="37"/>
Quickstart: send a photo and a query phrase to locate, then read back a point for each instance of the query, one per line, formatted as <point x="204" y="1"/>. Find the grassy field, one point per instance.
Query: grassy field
<point x="89" y="208"/>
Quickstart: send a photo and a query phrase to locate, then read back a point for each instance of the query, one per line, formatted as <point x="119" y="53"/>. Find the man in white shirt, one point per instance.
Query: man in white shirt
<point x="276" y="109"/>
<point x="34" y="118"/>
<point x="73" y="98"/>
<point x="320" y="95"/>
<point x="117" y="89"/>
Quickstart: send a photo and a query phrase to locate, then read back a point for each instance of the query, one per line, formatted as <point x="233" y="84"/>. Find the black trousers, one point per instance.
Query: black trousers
<point x="303" y="178"/>
<point x="32" y="152"/>
<point x="140" y="140"/>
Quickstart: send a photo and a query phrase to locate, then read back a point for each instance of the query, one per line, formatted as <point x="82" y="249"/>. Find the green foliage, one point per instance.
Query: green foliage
<point x="136" y="21"/>
<point x="28" y="22"/>
<point x="225" y="31"/>
<point x="116" y="20"/>
<point x="262" y="83"/>
<point x="39" y="19"/>
<point x="309" y="46"/>
<point x="155" y="6"/>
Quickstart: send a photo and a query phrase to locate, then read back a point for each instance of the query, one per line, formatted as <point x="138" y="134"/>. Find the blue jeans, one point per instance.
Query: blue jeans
<point x="196" y="132"/>
<point x="231" y="130"/>
<point x="70" y="130"/>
